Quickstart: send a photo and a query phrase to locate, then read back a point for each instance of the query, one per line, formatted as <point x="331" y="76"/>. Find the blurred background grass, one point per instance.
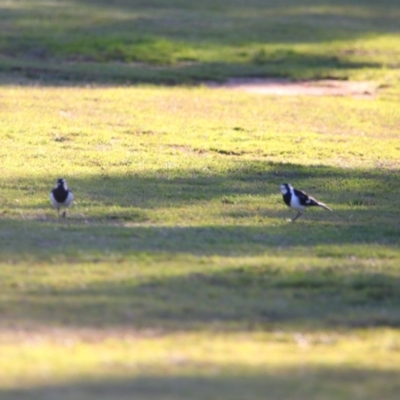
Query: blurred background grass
<point x="188" y="41"/>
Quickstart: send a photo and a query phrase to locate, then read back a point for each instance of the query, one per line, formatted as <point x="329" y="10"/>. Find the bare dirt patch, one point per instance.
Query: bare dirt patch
<point x="283" y="87"/>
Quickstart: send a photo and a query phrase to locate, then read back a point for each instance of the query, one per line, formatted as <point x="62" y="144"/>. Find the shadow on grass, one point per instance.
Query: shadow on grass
<point x="125" y="214"/>
<point x="293" y="65"/>
<point x="316" y="273"/>
<point x="271" y="294"/>
<point x="71" y="242"/>
<point x="305" y="383"/>
<point x="169" y="35"/>
<point x="370" y="188"/>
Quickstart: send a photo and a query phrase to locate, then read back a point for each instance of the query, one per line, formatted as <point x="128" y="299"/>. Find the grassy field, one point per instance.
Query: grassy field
<point x="185" y="41"/>
<point x="177" y="274"/>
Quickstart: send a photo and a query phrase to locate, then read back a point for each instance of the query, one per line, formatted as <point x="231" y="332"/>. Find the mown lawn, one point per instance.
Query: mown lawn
<point x="177" y="273"/>
<point x="190" y="41"/>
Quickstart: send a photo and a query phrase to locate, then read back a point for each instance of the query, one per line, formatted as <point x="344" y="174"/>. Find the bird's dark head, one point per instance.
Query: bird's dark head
<point x="285" y="188"/>
<point x="62" y="182"/>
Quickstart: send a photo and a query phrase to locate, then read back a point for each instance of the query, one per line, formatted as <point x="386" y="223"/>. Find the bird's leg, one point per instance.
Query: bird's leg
<point x="64" y="214"/>
<point x="297" y="216"/>
<point x="58" y="212"/>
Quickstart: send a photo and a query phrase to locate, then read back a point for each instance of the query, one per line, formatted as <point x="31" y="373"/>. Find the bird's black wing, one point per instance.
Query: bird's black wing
<point x="305" y="199"/>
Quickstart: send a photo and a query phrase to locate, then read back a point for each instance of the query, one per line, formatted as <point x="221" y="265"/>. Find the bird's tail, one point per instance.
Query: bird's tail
<point x="324" y="206"/>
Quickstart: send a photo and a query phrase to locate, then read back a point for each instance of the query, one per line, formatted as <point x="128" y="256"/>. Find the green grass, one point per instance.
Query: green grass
<point x="187" y="41"/>
<point x="177" y="273"/>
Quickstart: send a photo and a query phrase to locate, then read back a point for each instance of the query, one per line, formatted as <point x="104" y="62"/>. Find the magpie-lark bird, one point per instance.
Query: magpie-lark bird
<point x="61" y="196"/>
<point x="299" y="200"/>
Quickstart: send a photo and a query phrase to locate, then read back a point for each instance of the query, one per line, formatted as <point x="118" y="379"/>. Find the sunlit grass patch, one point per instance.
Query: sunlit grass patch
<point x="188" y="42"/>
<point x="176" y="273"/>
<point x="203" y="365"/>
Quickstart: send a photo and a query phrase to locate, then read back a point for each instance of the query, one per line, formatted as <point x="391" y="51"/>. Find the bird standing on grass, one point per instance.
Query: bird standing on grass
<point x="61" y="196"/>
<point x="299" y="200"/>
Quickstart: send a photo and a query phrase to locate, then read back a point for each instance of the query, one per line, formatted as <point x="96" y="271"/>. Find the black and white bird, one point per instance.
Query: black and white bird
<point x="299" y="200"/>
<point x="61" y="196"/>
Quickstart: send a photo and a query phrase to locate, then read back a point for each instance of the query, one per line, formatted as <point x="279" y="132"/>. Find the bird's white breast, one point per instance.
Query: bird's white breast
<point x="294" y="202"/>
<point x="53" y="200"/>
<point x="69" y="199"/>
